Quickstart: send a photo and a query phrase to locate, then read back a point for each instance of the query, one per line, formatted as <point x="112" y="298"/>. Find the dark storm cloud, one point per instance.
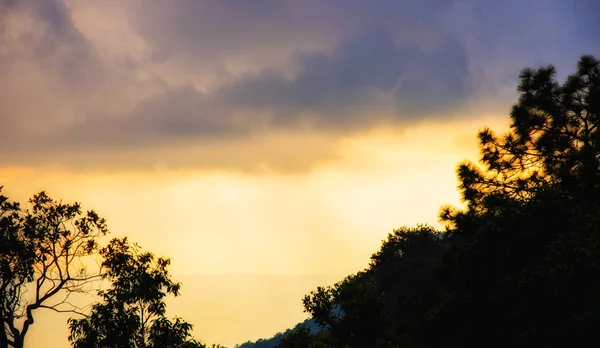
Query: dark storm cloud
<point x="330" y="86"/>
<point x="210" y="33"/>
<point x="332" y="67"/>
<point x="61" y="49"/>
<point x="38" y="38"/>
<point x="325" y="94"/>
<point x="178" y="113"/>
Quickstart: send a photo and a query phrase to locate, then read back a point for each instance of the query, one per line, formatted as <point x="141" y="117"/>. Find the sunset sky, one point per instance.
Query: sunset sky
<point x="266" y="146"/>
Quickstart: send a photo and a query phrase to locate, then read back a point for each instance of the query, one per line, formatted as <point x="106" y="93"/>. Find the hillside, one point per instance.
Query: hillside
<point x="276" y="339"/>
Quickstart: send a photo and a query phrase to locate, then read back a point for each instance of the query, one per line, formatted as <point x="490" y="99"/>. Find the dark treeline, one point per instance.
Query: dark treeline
<point x="309" y="325"/>
<point x="519" y="266"/>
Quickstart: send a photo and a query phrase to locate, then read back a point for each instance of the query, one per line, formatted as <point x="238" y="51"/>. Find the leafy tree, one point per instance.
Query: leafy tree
<point x="519" y="267"/>
<point x="44" y="250"/>
<point x="523" y="265"/>
<point x="274" y="341"/>
<point x="132" y="311"/>
<point x="378" y="307"/>
<point x="554" y="139"/>
<point x="302" y="337"/>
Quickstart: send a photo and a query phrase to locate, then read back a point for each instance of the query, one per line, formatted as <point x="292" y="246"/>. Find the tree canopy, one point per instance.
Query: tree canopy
<point x="44" y="249"/>
<point x="519" y="267"/>
<point x="50" y="250"/>
<point x="553" y="140"/>
<point x="132" y="312"/>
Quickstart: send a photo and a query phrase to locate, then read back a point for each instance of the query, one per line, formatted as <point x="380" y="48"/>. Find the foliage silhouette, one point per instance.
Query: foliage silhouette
<point x="51" y="250"/>
<point x="526" y="249"/>
<point x="132" y="311"/>
<point x="554" y="140"/>
<point x="43" y="250"/>
<point x="302" y="337"/>
<point x="519" y="267"/>
<point x="376" y="307"/>
<point x="309" y="325"/>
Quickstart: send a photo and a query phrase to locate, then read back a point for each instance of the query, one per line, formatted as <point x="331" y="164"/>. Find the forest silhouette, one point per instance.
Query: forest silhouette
<point x="518" y="266"/>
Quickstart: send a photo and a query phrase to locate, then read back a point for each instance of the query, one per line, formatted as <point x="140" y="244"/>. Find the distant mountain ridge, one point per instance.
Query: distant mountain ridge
<point x="276" y="339"/>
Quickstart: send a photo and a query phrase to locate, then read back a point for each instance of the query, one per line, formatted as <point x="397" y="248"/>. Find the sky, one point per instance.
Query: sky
<point x="266" y="146"/>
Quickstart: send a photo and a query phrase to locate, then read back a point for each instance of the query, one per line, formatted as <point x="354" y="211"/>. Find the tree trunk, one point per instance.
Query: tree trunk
<point x="18" y="342"/>
<point x="3" y="335"/>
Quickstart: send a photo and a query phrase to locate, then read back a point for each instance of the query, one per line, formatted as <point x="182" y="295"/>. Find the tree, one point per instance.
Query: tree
<point x="45" y="249"/>
<point x="554" y="140"/>
<point x="382" y="305"/>
<point x="302" y="337"/>
<point x="132" y="310"/>
<point x="307" y="325"/>
<point x="523" y="265"/>
<point x="520" y="266"/>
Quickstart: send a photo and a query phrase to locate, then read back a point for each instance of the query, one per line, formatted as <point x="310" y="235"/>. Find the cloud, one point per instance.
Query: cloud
<point x="364" y="71"/>
<point x="330" y="91"/>
<point x="45" y="66"/>
<point x="210" y="73"/>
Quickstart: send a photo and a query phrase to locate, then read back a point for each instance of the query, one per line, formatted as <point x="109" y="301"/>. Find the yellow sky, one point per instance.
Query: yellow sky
<point x="247" y="247"/>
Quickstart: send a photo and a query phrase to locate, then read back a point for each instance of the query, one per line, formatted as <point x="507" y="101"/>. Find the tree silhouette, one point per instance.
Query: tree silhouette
<point x="527" y="247"/>
<point x="302" y="337"/>
<point x="519" y="267"/>
<point x="307" y="325"/>
<point x="45" y="250"/>
<point x="379" y="306"/>
<point x="554" y="139"/>
<point x="132" y="311"/>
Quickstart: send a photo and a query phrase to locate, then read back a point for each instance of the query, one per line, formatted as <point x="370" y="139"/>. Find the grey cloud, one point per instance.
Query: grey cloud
<point x="61" y="49"/>
<point x="327" y="81"/>
<point x="180" y="113"/>
<point x="42" y="62"/>
<point x="330" y="86"/>
<point x="588" y="12"/>
<point x="502" y="37"/>
<point x="177" y="115"/>
<point x="207" y="35"/>
<point x="325" y="95"/>
<point x="437" y="81"/>
<point x="348" y="58"/>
